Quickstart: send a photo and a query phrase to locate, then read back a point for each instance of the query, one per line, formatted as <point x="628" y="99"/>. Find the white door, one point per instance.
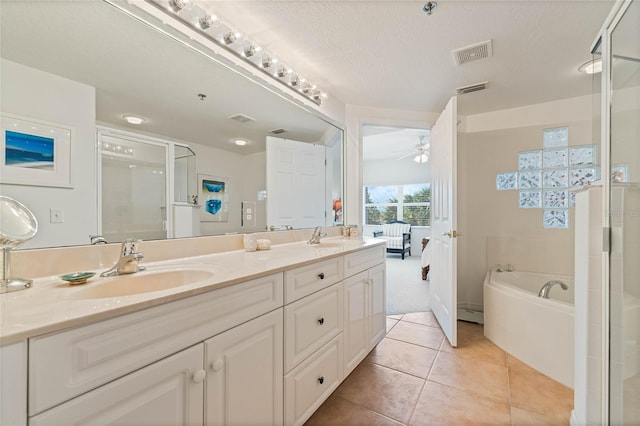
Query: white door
<point x="245" y="373"/>
<point x="443" y="284"/>
<point x="295" y="184"/>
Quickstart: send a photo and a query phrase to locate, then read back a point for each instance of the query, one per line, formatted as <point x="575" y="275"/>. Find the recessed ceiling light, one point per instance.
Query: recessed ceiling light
<point x="240" y="142"/>
<point x="132" y="119"/>
<point x="593" y="66"/>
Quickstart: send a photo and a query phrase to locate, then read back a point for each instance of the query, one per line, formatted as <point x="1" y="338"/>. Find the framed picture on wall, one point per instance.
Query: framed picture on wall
<point x="214" y="197"/>
<point x="34" y="152"/>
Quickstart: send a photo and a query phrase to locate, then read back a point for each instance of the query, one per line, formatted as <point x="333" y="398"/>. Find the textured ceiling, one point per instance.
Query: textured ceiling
<point x="391" y="54"/>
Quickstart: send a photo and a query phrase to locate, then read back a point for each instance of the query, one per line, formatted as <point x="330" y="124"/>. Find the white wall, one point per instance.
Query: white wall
<point x="42" y="96"/>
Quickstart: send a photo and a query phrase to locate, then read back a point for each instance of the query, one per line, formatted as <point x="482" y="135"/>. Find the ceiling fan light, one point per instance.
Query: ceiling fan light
<point x="421" y="158"/>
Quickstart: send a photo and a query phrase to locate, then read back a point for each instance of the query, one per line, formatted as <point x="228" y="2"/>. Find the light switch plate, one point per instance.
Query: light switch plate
<point x="56" y="215"/>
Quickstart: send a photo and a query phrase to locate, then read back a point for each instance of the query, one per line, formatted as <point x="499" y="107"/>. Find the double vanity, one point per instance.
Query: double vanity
<point x="233" y="337"/>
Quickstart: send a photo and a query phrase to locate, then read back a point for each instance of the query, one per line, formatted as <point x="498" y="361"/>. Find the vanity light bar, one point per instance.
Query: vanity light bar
<point x="210" y="27"/>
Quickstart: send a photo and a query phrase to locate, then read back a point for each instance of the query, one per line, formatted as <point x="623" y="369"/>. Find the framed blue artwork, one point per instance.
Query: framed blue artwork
<point x="34" y="152"/>
<point x="214" y="198"/>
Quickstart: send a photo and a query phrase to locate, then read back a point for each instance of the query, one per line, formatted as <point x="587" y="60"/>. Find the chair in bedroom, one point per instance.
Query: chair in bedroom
<point x="398" y="236"/>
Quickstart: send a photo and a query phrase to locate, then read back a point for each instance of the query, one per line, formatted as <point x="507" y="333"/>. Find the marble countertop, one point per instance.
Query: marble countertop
<point x="53" y="305"/>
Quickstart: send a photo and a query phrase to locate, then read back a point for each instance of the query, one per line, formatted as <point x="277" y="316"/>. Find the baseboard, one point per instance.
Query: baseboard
<point x="471" y="307"/>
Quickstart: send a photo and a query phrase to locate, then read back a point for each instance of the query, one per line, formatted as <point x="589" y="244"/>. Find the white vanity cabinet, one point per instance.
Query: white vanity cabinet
<point x="364" y="306"/>
<point x="265" y="351"/>
<point x="167" y="392"/>
<point x="244" y="374"/>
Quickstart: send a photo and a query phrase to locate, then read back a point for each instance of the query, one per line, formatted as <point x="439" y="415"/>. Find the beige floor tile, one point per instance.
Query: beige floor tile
<point x="390" y="323"/>
<point x="424" y="318"/>
<point x="340" y="412"/>
<point x="474" y="347"/>
<point x="523" y="417"/>
<point x="535" y="392"/>
<point x="388" y="392"/>
<point x="483" y="379"/>
<point x="417" y="334"/>
<point x="443" y="405"/>
<point x="404" y="357"/>
<point x="396" y="317"/>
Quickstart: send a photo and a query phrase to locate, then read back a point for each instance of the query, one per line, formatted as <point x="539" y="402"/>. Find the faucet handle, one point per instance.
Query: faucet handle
<point x="130" y="246"/>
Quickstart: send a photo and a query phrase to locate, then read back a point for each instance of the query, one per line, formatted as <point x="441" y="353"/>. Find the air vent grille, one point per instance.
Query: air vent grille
<point x="472" y="88"/>
<point x="472" y="53"/>
<point x="278" y="131"/>
<point x="241" y="118"/>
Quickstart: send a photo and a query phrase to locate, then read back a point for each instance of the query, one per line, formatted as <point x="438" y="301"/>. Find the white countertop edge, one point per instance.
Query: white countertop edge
<point x="40" y="310"/>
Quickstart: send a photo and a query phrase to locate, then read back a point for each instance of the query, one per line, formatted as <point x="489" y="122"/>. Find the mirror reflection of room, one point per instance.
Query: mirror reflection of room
<point x="172" y="132"/>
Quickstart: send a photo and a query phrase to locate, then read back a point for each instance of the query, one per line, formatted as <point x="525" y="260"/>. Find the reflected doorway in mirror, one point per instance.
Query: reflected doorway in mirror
<point x="214" y="197"/>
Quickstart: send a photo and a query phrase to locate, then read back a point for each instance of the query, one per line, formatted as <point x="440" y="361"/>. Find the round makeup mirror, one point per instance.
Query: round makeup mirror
<point x="17" y="225"/>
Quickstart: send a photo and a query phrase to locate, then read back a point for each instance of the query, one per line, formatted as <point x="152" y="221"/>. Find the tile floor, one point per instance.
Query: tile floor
<point x="414" y="377"/>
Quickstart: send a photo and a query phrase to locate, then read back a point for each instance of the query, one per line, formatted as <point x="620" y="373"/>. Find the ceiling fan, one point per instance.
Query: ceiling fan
<point x="420" y="152"/>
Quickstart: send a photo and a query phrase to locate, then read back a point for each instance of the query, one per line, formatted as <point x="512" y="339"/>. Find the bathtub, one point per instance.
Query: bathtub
<point x="537" y="331"/>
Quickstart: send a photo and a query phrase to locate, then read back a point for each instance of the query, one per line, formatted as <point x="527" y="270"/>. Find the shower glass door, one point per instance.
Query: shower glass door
<point x="134" y="188"/>
<point x="624" y="219"/>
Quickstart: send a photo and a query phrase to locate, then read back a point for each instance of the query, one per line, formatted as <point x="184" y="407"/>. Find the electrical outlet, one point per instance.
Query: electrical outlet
<point x="56" y="215"/>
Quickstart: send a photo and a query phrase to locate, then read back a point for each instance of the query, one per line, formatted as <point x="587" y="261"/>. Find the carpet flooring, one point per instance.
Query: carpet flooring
<point x="406" y="292"/>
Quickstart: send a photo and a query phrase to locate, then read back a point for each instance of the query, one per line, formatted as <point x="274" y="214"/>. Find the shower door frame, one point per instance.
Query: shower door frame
<point x="602" y="45"/>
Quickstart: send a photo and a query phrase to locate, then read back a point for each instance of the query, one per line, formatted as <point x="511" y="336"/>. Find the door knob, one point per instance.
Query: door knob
<point x="217" y="365"/>
<point x="198" y="376"/>
<point x="452" y="234"/>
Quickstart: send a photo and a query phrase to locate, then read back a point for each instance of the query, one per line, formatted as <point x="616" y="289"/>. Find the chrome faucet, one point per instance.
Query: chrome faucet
<point x="317" y="234"/>
<point x="544" y="291"/>
<point x="97" y="239"/>
<point x="128" y="261"/>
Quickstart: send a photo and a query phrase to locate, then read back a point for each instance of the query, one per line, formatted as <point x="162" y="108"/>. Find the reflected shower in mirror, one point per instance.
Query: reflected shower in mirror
<point x="83" y="66"/>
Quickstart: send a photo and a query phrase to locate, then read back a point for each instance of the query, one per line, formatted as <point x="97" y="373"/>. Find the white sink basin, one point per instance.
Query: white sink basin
<point x="141" y="282"/>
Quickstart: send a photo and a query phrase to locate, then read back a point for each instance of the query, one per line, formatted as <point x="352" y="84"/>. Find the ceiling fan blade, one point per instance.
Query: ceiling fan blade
<point x="407" y="155"/>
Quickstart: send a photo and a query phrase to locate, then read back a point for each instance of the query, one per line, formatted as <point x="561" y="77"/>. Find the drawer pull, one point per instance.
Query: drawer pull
<point x="321" y="379"/>
<point x="217" y="365"/>
<point x="198" y="376"/>
<point x="321" y="275"/>
<point x="321" y="320"/>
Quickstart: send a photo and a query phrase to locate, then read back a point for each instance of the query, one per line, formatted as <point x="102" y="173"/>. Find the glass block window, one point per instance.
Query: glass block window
<point x="530" y="199"/>
<point x="557" y="178"/>
<point x="558" y="219"/>
<point x="529" y="160"/>
<point x="555" y="199"/>
<point x="582" y="155"/>
<point x="581" y="177"/>
<point x="530" y="180"/>
<point x="555" y="158"/>
<point x="619" y="173"/>
<point x="506" y="181"/>
<point x="554" y="138"/>
<point x="572" y="199"/>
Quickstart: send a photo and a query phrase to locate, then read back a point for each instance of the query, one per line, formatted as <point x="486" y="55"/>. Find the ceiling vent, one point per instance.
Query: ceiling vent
<point x="472" y="53"/>
<point x="472" y="88"/>
<point x="278" y="131"/>
<point x="241" y="118"/>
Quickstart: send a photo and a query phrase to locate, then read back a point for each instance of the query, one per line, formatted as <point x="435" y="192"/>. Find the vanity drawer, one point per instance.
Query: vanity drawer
<point x="311" y="322"/>
<point x="363" y="259"/>
<point x="65" y="364"/>
<point x="308" y="279"/>
<point x="310" y="383"/>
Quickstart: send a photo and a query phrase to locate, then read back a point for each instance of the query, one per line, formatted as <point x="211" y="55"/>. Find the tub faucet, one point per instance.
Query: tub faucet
<point x="317" y="234"/>
<point x="128" y="261"/>
<point x="544" y="291"/>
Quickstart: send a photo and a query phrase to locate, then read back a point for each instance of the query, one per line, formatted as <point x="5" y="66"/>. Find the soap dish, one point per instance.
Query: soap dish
<point x="77" y="277"/>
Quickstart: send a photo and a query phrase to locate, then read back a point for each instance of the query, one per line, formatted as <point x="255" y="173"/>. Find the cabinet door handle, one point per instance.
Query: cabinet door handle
<point x="321" y="320"/>
<point x="198" y="376"/>
<point x="321" y="275"/>
<point x="321" y="379"/>
<point x="217" y="365"/>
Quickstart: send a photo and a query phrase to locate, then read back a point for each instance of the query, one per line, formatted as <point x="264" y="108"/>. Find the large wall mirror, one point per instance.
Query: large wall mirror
<point x="72" y="70"/>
